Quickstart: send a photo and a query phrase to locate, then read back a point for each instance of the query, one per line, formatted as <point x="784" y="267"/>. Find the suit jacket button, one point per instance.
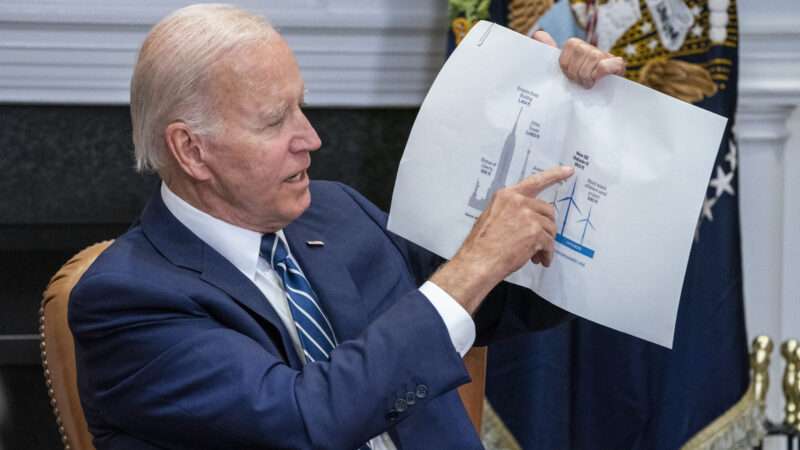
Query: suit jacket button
<point x="400" y="405"/>
<point x="422" y="391"/>
<point x="392" y="416"/>
<point x="411" y="398"/>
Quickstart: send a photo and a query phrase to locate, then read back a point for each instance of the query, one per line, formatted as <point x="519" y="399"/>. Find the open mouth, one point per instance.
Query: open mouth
<point x="299" y="176"/>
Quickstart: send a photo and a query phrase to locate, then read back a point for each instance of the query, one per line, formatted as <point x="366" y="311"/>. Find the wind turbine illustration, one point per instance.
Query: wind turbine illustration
<point x="570" y="199"/>
<point x="555" y="193"/>
<point x="587" y="222"/>
<point x="555" y="200"/>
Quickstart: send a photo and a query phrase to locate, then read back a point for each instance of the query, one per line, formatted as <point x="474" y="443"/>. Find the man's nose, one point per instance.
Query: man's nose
<point x="306" y="138"/>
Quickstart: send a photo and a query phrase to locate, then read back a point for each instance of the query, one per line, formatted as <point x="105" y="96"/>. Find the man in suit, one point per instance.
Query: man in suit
<point x="250" y="308"/>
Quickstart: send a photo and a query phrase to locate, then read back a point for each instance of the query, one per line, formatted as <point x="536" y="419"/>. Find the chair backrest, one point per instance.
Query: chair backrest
<point x="58" y="350"/>
<point x="58" y="357"/>
<point x="472" y="394"/>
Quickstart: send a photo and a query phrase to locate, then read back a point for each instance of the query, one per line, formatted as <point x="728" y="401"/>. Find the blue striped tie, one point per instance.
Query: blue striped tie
<point x="313" y="328"/>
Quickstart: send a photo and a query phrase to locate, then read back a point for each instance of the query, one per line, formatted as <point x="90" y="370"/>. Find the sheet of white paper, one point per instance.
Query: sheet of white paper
<point x="500" y="110"/>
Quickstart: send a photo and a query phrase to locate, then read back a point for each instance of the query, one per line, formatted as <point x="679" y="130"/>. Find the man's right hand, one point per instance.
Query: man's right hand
<point x="516" y="227"/>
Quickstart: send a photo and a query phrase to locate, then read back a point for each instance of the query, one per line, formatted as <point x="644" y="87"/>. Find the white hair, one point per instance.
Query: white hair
<point x="171" y="76"/>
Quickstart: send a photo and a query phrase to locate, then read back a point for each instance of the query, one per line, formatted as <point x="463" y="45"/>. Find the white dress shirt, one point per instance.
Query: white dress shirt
<point x="242" y="247"/>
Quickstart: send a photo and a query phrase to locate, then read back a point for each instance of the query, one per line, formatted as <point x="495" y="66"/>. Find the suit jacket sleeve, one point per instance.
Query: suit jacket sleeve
<point x="507" y="311"/>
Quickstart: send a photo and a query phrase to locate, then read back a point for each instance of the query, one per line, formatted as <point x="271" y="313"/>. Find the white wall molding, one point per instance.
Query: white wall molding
<point x="769" y="93"/>
<point x="351" y="52"/>
<point x="769" y="62"/>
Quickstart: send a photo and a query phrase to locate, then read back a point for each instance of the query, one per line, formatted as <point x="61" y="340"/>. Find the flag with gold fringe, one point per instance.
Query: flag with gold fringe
<point x="584" y="386"/>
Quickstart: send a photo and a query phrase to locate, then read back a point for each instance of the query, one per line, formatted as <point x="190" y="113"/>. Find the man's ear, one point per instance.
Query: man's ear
<point x="187" y="150"/>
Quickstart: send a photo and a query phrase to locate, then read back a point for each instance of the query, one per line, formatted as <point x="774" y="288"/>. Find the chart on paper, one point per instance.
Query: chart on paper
<point x="508" y="164"/>
<point x="520" y="155"/>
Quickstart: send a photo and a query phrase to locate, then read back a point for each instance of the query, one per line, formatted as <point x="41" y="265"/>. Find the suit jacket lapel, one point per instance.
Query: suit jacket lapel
<point x="219" y="272"/>
<point x="338" y="295"/>
<point x="183" y="248"/>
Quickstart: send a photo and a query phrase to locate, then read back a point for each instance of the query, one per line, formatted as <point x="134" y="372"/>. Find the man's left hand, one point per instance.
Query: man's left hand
<point x="582" y="62"/>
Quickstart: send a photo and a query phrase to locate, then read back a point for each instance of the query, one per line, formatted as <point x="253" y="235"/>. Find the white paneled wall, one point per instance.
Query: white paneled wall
<point x="351" y="52"/>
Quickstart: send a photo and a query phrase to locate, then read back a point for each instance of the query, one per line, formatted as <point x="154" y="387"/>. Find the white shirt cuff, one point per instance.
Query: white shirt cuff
<point x="459" y="323"/>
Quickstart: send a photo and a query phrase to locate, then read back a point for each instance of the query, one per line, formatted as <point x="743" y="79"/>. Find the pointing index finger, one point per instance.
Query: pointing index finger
<point x="536" y="183"/>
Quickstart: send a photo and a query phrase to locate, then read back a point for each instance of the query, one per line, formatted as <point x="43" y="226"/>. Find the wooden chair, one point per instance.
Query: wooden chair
<point x="58" y="356"/>
<point x="58" y="350"/>
<point x="472" y="394"/>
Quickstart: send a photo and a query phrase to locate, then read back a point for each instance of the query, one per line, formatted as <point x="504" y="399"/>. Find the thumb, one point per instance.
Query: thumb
<point x="545" y="38"/>
<point x="610" y="66"/>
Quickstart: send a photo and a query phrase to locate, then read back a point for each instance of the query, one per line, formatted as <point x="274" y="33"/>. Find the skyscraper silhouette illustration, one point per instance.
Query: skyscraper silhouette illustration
<point x="524" y="166"/>
<point x="501" y="173"/>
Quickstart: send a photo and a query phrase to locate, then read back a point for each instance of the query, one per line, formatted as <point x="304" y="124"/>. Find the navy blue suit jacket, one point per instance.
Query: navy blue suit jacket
<point x="177" y="349"/>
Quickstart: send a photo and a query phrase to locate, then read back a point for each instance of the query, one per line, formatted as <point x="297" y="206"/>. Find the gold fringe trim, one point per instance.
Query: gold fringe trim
<point x="524" y="14"/>
<point x="494" y="433"/>
<point x="742" y="416"/>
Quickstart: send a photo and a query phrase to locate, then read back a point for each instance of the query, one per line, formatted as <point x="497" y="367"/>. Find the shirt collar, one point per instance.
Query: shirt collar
<point x="238" y="245"/>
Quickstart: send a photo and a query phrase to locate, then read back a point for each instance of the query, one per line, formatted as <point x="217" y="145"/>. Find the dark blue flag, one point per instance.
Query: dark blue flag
<point x="584" y="386"/>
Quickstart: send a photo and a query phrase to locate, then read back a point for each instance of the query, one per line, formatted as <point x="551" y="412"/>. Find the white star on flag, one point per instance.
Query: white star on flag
<point x="652" y="44"/>
<point x="708" y="203"/>
<point x="696" y="10"/>
<point x="722" y="182"/>
<point x="646" y="27"/>
<point x="697" y="30"/>
<point x="731" y="157"/>
<point x="630" y="49"/>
